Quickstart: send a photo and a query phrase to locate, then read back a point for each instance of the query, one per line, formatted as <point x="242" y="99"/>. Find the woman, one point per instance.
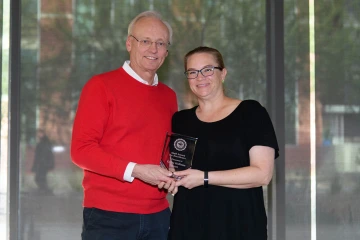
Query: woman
<point x="221" y="196"/>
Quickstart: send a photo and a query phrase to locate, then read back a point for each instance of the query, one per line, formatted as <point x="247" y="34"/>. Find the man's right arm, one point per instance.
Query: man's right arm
<point x="86" y="152"/>
<point x="89" y="125"/>
<point x="128" y="172"/>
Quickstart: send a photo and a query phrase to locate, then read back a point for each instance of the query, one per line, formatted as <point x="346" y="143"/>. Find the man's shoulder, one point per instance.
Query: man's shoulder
<point x="109" y="74"/>
<point x="165" y="87"/>
<point x="106" y="78"/>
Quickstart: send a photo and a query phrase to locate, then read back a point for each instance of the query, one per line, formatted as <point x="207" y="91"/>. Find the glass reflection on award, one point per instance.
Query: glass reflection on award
<point x="178" y="152"/>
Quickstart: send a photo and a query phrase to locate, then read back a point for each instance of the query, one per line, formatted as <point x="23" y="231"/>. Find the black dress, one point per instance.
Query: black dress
<point x="220" y="213"/>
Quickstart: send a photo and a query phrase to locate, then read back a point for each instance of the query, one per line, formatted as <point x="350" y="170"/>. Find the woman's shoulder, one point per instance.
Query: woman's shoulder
<point x="251" y="103"/>
<point x="252" y="108"/>
<point x="185" y="113"/>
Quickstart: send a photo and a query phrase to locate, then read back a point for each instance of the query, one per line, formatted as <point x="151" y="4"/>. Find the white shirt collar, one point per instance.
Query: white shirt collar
<point x="131" y="72"/>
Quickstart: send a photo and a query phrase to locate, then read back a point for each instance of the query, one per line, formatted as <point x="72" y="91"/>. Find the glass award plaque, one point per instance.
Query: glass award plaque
<point x="178" y="152"/>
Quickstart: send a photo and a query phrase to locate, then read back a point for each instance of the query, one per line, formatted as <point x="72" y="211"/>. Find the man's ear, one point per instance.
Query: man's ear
<point x="128" y="44"/>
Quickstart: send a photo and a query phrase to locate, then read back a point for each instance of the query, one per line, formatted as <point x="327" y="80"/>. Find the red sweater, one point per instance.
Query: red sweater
<point x="120" y="120"/>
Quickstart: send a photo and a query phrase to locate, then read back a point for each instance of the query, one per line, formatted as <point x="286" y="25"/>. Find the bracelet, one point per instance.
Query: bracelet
<point x="206" y="179"/>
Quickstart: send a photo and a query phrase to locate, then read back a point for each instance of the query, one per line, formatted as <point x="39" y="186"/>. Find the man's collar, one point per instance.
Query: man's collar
<point x="132" y="73"/>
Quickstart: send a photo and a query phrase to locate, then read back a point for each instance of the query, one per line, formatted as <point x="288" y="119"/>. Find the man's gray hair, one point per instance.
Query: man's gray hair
<point x="152" y="14"/>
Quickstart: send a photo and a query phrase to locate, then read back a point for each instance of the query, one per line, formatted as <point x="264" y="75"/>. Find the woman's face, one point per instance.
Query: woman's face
<point x="205" y="87"/>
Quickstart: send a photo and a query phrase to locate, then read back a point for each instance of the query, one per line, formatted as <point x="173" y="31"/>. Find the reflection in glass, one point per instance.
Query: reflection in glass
<point x="338" y="78"/>
<point x="337" y="99"/>
<point x="65" y="42"/>
<point x="4" y="122"/>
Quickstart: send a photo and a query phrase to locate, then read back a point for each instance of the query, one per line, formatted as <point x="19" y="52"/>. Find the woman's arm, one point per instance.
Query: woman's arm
<point x="259" y="173"/>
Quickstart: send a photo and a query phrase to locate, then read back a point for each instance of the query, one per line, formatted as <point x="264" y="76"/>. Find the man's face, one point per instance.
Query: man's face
<point x="147" y="60"/>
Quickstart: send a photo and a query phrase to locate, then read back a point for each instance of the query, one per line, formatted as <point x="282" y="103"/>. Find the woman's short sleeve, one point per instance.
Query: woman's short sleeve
<point x="259" y="129"/>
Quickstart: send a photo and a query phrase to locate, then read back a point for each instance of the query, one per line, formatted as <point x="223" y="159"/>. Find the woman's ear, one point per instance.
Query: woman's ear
<point x="223" y="74"/>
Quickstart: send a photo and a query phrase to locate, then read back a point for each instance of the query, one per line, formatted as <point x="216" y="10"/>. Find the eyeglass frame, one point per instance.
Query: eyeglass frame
<point x="200" y="71"/>
<point x="166" y="45"/>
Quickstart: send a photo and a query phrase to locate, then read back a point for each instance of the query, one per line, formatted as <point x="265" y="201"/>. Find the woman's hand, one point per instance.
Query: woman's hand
<point x="190" y="178"/>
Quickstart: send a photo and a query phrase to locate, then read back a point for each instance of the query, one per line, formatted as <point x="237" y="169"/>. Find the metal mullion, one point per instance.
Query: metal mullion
<point x="14" y="118"/>
<point x="276" y="108"/>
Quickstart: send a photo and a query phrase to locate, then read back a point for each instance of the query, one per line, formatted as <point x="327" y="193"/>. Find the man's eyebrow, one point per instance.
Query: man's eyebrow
<point x="148" y="38"/>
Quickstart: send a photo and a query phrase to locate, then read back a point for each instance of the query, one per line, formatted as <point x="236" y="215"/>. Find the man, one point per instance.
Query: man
<point x="118" y="135"/>
<point x="43" y="162"/>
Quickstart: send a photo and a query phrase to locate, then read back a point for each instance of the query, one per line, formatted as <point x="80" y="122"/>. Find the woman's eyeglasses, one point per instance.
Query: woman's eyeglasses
<point x="206" y="71"/>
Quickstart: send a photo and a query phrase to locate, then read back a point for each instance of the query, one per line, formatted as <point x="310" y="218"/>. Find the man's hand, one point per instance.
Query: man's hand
<point x="151" y="174"/>
<point x="170" y="186"/>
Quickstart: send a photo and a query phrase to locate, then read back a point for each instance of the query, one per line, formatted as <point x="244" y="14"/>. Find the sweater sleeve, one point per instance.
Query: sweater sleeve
<point x="88" y="129"/>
